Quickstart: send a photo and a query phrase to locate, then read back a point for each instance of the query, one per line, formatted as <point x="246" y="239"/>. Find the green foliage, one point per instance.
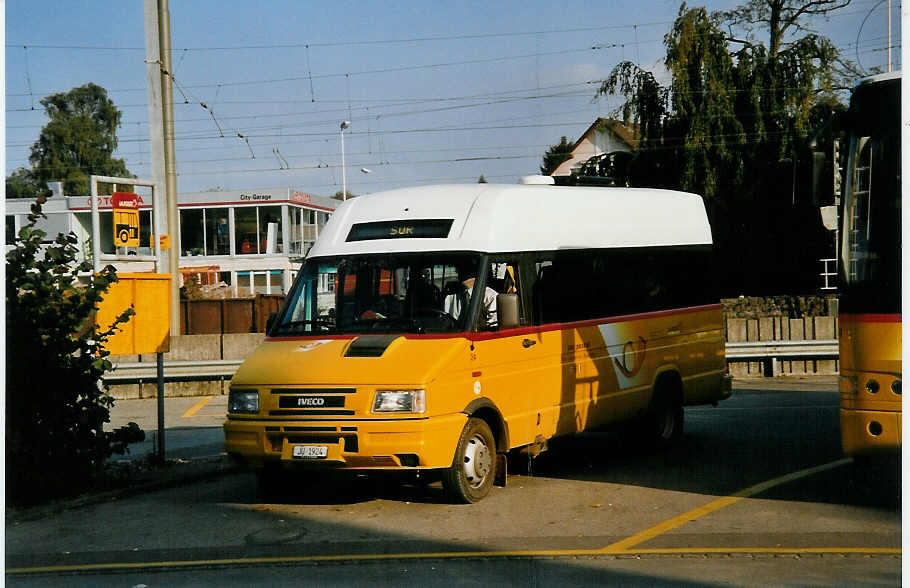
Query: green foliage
<point x="22" y="184"/>
<point x="555" y="155"/>
<point x="79" y="139"/>
<point x="733" y="126"/>
<point x="56" y="406"/>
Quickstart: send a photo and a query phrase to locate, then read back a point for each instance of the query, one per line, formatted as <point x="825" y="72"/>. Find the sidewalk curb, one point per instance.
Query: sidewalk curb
<point x="175" y="472"/>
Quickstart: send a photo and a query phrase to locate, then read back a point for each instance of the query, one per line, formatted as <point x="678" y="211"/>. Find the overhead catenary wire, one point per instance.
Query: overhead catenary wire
<point x="266" y="128"/>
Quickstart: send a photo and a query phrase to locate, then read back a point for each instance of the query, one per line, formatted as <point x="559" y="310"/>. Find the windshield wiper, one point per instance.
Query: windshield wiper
<point x="391" y="324"/>
<point x="318" y="321"/>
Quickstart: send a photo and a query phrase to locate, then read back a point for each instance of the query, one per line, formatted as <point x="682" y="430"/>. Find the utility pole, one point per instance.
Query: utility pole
<point x="161" y="135"/>
<point x="170" y="159"/>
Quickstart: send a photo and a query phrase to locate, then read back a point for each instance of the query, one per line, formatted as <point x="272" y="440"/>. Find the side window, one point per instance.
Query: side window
<point x="545" y="293"/>
<point x="561" y="292"/>
<point x="502" y="278"/>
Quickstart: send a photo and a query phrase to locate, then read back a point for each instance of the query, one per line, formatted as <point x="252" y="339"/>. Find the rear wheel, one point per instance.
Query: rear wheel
<point x="664" y="422"/>
<point x="471" y="475"/>
<point x="661" y="426"/>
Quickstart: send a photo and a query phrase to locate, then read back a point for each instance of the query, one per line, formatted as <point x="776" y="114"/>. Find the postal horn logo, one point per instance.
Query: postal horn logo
<point x="632" y="358"/>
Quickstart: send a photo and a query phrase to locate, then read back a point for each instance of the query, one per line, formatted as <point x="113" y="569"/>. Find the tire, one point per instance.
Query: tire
<point x="473" y="468"/>
<point x="661" y="427"/>
<point x="664" y="422"/>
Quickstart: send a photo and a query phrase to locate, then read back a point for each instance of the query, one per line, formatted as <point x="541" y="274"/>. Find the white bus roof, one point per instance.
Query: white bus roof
<point x="882" y="77"/>
<point x="510" y="218"/>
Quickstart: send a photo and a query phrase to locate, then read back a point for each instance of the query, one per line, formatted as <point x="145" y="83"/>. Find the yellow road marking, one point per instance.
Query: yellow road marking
<point x="679" y="520"/>
<point x="196" y="407"/>
<point x="624" y="547"/>
<point x="449" y="555"/>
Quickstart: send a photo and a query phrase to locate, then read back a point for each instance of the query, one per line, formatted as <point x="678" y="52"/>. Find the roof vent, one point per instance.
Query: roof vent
<point x="537" y="181"/>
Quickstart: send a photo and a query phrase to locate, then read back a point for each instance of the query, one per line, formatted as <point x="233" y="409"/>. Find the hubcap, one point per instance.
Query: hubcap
<point x="477" y="461"/>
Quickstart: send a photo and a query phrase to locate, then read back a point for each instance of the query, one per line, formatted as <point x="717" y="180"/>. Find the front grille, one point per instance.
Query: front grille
<point x="313" y="390"/>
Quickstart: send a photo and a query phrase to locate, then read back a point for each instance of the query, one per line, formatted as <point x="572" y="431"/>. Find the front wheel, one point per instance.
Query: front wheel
<point x="470" y="477"/>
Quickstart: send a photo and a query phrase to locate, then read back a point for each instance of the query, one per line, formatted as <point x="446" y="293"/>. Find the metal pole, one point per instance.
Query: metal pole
<point x="170" y="159"/>
<point x="344" y="181"/>
<point x="889" y="36"/>
<point x="96" y="229"/>
<point x="159" y="365"/>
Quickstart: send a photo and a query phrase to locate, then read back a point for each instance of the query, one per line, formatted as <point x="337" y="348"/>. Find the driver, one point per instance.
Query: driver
<point x="452" y="304"/>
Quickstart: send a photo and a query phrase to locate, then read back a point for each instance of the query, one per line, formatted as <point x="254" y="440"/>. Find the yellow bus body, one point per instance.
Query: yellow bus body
<point x="870" y="398"/>
<point x="534" y="382"/>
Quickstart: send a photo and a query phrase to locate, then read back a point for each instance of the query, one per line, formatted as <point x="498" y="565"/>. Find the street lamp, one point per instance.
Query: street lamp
<point x="344" y="183"/>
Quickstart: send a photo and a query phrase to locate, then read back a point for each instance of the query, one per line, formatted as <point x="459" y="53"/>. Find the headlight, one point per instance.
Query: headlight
<point x="243" y="401"/>
<point x="400" y="401"/>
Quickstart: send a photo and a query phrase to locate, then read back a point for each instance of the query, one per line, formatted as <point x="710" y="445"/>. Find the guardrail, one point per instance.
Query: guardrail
<point x="174" y="371"/>
<point x="769" y="352"/>
<point x="772" y="352"/>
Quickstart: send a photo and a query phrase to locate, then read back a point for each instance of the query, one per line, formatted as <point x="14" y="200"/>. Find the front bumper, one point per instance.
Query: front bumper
<point x="370" y="443"/>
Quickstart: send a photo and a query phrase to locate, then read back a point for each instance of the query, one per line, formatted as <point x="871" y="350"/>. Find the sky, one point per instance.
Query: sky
<point x="436" y="92"/>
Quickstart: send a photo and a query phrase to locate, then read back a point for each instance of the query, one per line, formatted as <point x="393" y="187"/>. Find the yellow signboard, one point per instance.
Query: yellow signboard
<point x="126" y="219"/>
<point x="148" y="331"/>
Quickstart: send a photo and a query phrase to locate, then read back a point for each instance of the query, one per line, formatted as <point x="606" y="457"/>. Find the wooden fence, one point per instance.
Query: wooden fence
<point x="228" y="315"/>
<point x="783" y="329"/>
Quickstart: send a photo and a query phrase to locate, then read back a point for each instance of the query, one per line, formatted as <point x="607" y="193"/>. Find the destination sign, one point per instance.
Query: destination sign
<point x="403" y="229"/>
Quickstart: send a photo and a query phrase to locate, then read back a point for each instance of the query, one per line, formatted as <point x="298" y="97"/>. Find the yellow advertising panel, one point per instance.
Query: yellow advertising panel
<point x="148" y="331"/>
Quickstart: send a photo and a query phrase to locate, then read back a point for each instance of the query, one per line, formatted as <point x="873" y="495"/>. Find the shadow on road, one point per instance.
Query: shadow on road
<point x="743" y="442"/>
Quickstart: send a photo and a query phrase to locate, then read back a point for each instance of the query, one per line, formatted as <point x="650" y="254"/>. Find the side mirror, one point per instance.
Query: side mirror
<point x="507" y="311"/>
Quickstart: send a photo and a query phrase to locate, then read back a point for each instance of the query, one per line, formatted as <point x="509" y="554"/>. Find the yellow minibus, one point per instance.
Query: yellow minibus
<point x="435" y="329"/>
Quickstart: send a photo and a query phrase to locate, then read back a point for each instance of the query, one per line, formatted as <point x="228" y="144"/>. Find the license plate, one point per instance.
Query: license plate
<point x="310" y="451"/>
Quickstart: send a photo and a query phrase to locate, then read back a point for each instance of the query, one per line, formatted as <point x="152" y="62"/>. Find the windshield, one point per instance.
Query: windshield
<point x="871" y="249"/>
<point x="385" y="293"/>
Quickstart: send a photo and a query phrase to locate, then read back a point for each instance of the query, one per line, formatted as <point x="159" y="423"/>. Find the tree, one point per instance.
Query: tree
<point x="338" y="195"/>
<point x="555" y="155"/>
<point x="778" y="18"/>
<point x="22" y="184"/>
<point x="733" y="125"/>
<point x="79" y="139"/>
<point x="481" y="179"/>
<point x="55" y="356"/>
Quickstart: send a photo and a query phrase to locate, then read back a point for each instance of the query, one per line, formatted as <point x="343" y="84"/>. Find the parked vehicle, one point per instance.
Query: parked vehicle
<point x="435" y="329"/>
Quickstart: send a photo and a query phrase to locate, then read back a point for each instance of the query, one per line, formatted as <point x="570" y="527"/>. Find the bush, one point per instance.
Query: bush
<point x="56" y="407"/>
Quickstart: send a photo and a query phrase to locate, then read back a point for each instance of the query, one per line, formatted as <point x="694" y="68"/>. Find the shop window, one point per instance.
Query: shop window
<point x="191" y="237"/>
<point x="245" y="231"/>
<point x="270" y="236"/>
<point x="217" y="232"/>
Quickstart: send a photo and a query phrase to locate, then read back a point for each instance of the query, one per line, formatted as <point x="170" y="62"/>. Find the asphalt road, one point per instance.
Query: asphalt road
<point x="756" y="494"/>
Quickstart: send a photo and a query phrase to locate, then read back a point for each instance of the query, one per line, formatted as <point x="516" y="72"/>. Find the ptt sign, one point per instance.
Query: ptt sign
<point x="126" y="219"/>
